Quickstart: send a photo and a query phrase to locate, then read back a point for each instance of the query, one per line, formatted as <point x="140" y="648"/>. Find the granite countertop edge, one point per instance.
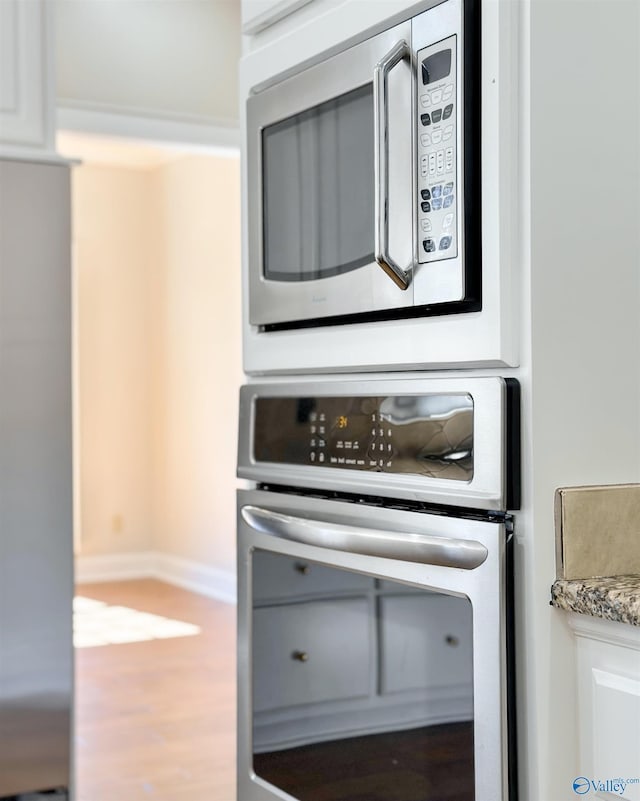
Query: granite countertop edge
<point x="607" y="597"/>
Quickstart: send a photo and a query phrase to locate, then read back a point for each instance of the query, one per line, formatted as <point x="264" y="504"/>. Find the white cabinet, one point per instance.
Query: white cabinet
<point x="277" y="577"/>
<point x="609" y="706"/>
<point x="426" y="643"/>
<point x="312" y="652"/>
<point x="260" y="14"/>
<point x="26" y="77"/>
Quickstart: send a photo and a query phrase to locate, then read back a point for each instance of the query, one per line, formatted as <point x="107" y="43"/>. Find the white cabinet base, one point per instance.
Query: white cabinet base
<point x="609" y="706"/>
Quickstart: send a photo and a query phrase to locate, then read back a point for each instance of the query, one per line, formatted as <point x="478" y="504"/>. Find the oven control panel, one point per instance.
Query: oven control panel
<point x="437" y="124"/>
<point x="428" y="435"/>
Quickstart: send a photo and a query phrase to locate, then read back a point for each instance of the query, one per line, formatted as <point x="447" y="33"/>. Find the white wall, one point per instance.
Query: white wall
<point x="158" y="273"/>
<point x="199" y="370"/>
<point x="114" y="225"/>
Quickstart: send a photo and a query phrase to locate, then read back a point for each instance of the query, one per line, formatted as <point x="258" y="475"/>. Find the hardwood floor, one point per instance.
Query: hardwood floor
<point x="156" y="720"/>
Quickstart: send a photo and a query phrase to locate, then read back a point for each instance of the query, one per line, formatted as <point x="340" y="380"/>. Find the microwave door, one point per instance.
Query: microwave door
<point x="313" y="156"/>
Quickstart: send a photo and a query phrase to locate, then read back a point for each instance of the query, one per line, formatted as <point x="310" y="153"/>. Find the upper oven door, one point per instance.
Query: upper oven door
<point x="312" y="177"/>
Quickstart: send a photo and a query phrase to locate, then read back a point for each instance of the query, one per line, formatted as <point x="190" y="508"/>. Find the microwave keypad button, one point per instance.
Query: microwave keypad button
<point x="436" y="190"/>
<point x="436" y="96"/>
<point x="425" y="119"/>
<point x="425" y="100"/>
<point x="447" y="189"/>
<point x="447" y="91"/>
<point x="448" y="201"/>
<point x="449" y="158"/>
<point x="448" y="219"/>
<point x="448" y="132"/>
<point x="436" y="115"/>
<point x="440" y="161"/>
<point x="426" y="195"/>
<point x="426" y="207"/>
<point x="436" y="137"/>
<point x="445" y="243"/>
<point x="425" y="140"/>
<point x="429" y="245"/>
<point x="426" y="226"/>
<point x="437" y="204"/>
<point x="448" y="111"/>
<point x="432" y="163"/>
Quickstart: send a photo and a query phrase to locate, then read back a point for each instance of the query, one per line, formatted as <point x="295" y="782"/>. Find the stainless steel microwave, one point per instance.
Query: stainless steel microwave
<point x="364" y="182"/>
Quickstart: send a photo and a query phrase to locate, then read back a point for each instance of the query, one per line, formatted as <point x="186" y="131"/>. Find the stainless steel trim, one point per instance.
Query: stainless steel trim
<point x="398" y="52"/>
<point x="403" y="546"/>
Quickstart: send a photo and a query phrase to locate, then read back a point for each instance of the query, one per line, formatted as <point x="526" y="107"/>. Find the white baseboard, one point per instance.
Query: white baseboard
<point x="194" y="576"/>
<point x="115" y="567"/>
<point x="186" y="573"/>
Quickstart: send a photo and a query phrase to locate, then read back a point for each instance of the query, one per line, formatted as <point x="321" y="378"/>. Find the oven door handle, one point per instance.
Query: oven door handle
<point x="398" y="52"/>
<point x="404" y="546"/>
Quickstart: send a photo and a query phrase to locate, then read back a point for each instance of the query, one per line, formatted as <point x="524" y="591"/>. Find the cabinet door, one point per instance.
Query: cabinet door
<point x="305" y="653"/>
<point x="609" y="706"/>
<point x="278" y="577"/>
<point x="259" y="14"/>
<point x="426" y="642"/>
<point x="25" y="86"/>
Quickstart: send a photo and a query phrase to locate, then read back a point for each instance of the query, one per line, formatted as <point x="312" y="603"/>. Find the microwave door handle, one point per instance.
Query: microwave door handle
<point x="397" y="53"/>
<point x="404" y="546"/>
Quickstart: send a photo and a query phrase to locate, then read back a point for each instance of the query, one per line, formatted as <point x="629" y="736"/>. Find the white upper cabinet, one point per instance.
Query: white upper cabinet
<point x="26" y="77"/>
<point x="259" y="14"/>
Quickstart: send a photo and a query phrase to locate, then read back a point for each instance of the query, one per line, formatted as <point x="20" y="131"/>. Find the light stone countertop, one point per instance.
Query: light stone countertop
<point x="611" y="598"/>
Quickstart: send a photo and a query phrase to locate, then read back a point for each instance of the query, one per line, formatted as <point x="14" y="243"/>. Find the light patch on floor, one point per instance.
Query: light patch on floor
<point x="96" y="623"/>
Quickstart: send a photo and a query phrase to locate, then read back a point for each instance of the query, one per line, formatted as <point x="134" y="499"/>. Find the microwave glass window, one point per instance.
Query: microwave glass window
<point x="318" y="190"/>
<point x="436" y="67"/>
<point x="362" y="687"/>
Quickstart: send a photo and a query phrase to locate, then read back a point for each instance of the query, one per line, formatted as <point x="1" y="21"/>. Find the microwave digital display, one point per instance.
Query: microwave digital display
<point x="436" y="67"/>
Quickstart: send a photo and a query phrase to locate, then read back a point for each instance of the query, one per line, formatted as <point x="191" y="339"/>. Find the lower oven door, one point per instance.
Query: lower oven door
<point x="372" y="653"/>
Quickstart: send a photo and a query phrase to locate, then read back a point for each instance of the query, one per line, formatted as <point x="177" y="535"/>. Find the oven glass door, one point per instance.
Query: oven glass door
<point x="372" y="653"/>
<point x="311" y="167"/>
<point x="362" y="687"/>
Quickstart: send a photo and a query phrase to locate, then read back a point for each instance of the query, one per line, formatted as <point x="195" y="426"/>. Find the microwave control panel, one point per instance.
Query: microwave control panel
<point x="437" y="117"/>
